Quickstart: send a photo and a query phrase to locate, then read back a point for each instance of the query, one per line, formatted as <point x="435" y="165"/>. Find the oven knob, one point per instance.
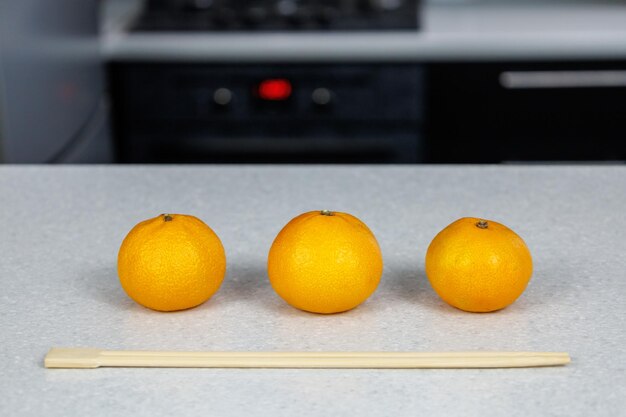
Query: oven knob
<point x="286" y="7"/>
<point x="322" y="96"/>
<point x="222" y="96"/>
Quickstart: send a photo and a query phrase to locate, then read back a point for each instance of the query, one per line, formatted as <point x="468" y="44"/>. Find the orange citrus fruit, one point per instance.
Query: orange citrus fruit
<point x="325" y="262"/>
<point x="478" y="265"/>
<point x="171" y="262"/>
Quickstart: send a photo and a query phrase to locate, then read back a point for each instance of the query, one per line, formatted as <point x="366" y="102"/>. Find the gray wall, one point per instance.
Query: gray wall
<point x="51" y="82"/>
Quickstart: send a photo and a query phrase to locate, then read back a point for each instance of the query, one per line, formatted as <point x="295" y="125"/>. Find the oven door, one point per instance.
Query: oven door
<point x="499" y="112"/>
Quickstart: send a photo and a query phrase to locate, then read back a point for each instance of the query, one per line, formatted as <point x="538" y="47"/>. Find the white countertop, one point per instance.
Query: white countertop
<point x="458" y="31"/>
<point x="62" y="227"/>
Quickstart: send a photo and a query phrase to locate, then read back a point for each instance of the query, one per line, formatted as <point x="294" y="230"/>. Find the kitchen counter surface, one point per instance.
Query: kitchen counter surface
<point x="455" y="30"/>
<point x="62" y="227"/>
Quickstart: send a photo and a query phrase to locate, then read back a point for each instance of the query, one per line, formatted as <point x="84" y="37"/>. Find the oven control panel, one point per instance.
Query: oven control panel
<point x="268" y="113"/>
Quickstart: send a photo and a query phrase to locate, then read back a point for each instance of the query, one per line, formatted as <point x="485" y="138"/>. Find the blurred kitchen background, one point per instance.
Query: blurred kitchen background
<point x="312" y="81"/>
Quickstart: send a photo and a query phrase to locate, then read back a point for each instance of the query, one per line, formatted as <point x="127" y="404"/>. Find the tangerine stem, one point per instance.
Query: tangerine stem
<point x="326" y="213"/>
<point x="167" y="218"/>
<point x="482" y="224"/>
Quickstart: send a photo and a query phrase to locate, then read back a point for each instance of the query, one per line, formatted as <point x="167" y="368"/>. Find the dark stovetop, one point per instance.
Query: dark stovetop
<point x="281" y="15"/>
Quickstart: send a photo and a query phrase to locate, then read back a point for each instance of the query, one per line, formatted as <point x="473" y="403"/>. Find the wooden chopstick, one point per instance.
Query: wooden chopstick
<point x="94" y="358"/>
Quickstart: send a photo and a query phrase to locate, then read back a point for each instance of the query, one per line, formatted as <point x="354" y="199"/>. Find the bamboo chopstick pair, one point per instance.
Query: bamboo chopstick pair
<point x="95" y="358"/>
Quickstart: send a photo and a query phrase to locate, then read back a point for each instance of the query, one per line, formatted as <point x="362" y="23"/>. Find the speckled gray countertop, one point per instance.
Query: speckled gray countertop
<point x="62" y="226"/>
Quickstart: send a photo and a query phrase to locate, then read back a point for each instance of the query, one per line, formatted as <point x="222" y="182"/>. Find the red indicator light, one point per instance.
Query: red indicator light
<point x="275" y="89"/>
